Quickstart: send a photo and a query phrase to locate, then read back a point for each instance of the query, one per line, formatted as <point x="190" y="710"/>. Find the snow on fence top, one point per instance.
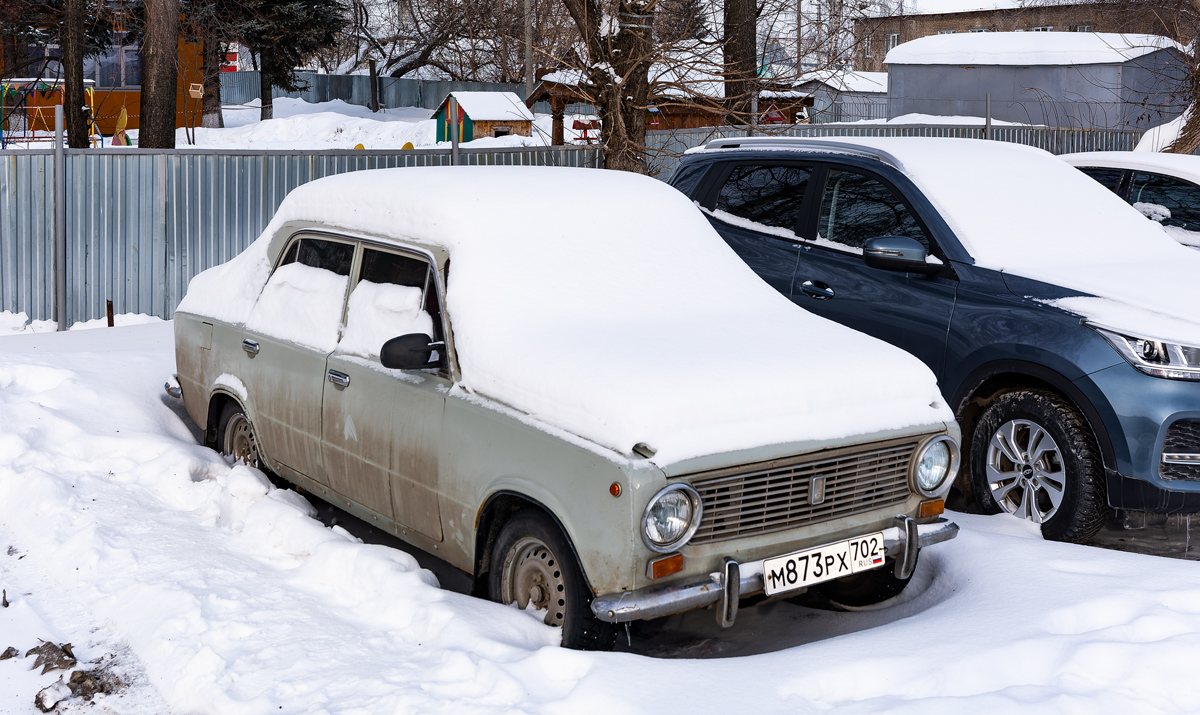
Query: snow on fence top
<point x="1027" y="48"/>
<point x="615" y="313"/>
<point x="492" y="106"/>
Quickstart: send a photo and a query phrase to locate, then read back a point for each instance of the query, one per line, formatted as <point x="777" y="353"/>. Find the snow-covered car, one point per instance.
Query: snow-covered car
<point x="564" y="383"/>
<point x="1064" y="328"/>
<point x="1163" y="187"/>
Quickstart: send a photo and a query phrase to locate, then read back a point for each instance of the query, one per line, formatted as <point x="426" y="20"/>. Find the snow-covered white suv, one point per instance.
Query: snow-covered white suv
<point x="563" y="382"/>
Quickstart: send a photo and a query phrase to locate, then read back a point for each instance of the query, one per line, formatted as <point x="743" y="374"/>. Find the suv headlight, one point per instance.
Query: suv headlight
<point x="1155" y="357"/>
<point x="671" y="518"/>
<point x="936" y="463"/>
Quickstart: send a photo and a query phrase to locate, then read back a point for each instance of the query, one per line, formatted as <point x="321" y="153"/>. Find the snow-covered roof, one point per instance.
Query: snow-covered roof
<point x="1027" y="48"/>
<point x="639" y="324"/>
<point x="570" y="77"/>
<point x="845" y="81"/>
<point x="492" y="106"/>
<point x="940" y="7"/>
<point x="1182" y="166"/>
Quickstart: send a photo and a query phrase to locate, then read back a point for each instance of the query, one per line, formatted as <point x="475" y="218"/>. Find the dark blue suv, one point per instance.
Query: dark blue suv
<point x="1057" y="319"/>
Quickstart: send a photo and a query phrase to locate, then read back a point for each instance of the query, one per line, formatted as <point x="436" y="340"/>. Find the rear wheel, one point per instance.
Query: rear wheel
<point x="532" y="565"/>
<point x="1034" y="456"/>
<point x="864" y="589"/>
<point x="235" y="435"/>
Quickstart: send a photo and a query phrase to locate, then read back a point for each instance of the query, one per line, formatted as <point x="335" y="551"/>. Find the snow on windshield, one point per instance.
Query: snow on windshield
<point x="604" y="304"/>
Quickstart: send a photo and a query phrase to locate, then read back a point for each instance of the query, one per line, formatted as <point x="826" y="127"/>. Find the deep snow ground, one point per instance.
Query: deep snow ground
<point x="218" y="593"/>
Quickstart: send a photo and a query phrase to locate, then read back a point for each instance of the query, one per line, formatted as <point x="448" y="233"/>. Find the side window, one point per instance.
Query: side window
<point x="302" y="301"/>
<point x="1110" y="178"/>
<point x="688" y="176"/>
<point x="764" y="196"/>
<point x="1180" y="200"/>
<point x="856" y="207"/>
<point x="395" y="295"/>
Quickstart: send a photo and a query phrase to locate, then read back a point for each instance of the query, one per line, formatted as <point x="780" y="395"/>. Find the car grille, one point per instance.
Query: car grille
<point x="772" y="496"/>
<point x="1182" y="438"/>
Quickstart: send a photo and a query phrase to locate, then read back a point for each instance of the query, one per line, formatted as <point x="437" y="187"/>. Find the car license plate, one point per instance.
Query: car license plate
<point x="824" y="563"/>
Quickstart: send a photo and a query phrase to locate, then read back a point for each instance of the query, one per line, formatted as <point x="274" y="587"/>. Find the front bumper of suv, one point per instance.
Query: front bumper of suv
<point x="902" y="541"/>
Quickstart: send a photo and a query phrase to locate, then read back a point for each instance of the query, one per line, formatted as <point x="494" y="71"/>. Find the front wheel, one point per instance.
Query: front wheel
<point x="532" y="565"/>
<point x="1034" y="456"/>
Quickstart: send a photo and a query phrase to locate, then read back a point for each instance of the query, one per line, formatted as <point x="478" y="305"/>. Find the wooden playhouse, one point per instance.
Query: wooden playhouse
<point x="484" y="114"/>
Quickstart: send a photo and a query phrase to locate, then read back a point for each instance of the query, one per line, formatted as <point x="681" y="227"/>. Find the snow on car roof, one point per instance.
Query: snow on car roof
<point x="1027" y="48"/>
<point x="1023" y="211"/>
<point x="603" y="303"/>
<point x="492" y="106"/>
<point x="1183" y="166"/>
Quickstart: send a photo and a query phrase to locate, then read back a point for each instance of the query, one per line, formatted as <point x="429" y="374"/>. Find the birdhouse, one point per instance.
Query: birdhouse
<point x="484" y="114"/>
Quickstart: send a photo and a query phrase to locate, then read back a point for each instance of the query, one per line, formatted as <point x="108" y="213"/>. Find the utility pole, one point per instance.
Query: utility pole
<point x="528" y="48"/>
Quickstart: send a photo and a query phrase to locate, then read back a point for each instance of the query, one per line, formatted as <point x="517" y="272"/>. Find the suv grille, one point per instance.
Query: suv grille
<point x="1182" y="438"/>
<point x="772" y="496"/>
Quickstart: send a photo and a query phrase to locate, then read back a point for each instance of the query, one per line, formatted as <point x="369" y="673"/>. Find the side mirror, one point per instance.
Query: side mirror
<point x="898" y="253"/>
<point x="408" y="352"/>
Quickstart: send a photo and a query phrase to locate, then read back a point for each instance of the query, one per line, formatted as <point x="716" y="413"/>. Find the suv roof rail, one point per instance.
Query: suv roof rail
<point x="804" y="143"/>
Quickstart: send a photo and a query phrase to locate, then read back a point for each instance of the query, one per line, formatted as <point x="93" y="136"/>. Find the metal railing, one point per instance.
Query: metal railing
<point x="139" y="223"/>
<point x="667" y="146"/>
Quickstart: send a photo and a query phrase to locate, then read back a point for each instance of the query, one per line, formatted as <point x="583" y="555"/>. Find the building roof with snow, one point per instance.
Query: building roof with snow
<point x="941" y="7"/>
<point x="1028" y="48"/>
<point x="492" y="106"/>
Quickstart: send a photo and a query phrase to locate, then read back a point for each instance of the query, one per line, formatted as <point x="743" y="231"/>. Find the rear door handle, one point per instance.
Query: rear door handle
<point x="817" y="290"/>
<point x="340" y="379"/>
<point x="250" y="347"/>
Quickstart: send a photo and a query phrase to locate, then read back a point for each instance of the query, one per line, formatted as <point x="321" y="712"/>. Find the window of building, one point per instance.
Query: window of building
<point x="945" y="32"/>
<point x="1083" y="28"/>
<point x="1045" y="28"/>
<point x="893" y="39"/>
<point x="979" y="29"/>
<point x="867" y="46"/>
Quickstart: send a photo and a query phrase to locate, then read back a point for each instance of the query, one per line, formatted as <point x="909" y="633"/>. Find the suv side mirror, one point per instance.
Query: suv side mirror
<point x="898" y="253"/>
<point x="408" y="352"/>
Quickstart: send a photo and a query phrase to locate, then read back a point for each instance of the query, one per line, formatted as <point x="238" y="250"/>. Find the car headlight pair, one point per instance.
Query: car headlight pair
<point x="671" y="518"/>
<point x="1159" y="358"/>
<point x="936" y="463"/>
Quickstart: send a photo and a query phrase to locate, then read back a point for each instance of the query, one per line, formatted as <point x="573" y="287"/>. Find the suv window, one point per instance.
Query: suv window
<point x="1110" y="178"/>
<point x="1180" y="198"/>
<point x="766" y="195"/>
<point x="395" y="295"/>
<point x="303" y="299"/>
<point x="856" y="207"/>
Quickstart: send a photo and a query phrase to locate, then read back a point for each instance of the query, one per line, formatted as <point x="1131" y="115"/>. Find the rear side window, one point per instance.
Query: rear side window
<point x="857" y="207"/>
<point x="303" y="299"/>
<point x="770" y="196"/>
<point x="333" y="256"/>
<point x="1110" y="178"/>
<point x="687" y="177"/>
<point x="1180" y="199"/>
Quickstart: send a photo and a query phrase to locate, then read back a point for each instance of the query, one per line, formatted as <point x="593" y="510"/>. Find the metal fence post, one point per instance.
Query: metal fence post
<point x="452" y="115"/>
<point x="60" y="222"/>
<point x="987" y="110"/>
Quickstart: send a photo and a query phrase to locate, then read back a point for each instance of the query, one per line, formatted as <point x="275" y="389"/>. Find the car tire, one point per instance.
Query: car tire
<point x="864" y="589"/>
<point x="1014" y="469"/>
<point x="531" y="560"/>
<point x="235" y="436"/>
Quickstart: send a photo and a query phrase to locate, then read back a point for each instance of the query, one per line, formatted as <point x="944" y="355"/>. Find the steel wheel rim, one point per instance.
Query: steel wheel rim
<point x="1025" y="471"/>
<point x="239" y="441"/>
<point x="533" y="574"/>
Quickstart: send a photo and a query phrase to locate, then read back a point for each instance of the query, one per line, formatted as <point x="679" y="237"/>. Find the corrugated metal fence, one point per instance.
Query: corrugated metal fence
<point x="141" y="223"/>
<point x="668" y="145"/>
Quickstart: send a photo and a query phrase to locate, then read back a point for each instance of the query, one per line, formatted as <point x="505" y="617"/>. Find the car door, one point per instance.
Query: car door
<point x="908" y="310"/>
<point x="291" y="330"/>
<point x="381" y="427"/>
<point x="757" y="207"/>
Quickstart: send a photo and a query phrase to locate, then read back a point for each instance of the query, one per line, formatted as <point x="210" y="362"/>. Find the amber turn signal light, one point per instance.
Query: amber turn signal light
<point x="932" y="508"/>
<point x="665" y="566"/>
<point x="614" y="489"/>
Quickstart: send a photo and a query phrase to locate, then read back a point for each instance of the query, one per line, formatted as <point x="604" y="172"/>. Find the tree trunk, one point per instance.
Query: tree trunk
<point x="741" y="57"/>
<point x="73" y="96"/>
<point x="160" y="53"/>
<point x="1189" y="137"/>
<point x="264" y="87"/>
<point x="211" y="70"/>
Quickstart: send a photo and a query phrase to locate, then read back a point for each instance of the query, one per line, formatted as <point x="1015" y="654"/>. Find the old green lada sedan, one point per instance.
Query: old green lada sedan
<point x="563" y="382"/>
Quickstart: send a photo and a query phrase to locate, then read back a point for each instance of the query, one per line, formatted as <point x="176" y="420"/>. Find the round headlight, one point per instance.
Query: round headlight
<point x="671" y="518"/>
<point x="937" y="462"/>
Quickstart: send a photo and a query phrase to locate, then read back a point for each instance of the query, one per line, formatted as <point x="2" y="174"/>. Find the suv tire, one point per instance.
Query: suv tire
<point x="531" y="560"/>
<point x="1031" y="448"/>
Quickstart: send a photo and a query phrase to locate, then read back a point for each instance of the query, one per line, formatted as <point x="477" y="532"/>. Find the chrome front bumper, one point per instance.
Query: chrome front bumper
<point x="902" y="541"/>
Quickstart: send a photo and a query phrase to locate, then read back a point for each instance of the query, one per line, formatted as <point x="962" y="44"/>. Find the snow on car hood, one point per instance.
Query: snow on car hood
<point x="1023" y="211"/>
<point x="604" y="303"/>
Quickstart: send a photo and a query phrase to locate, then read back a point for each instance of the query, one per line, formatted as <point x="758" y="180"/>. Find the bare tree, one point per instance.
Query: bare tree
<point x="160" y="56"/>
<point x="78" y="133"/>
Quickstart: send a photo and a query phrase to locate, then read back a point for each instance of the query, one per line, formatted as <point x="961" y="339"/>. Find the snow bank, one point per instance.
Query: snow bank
<point x="1164" y="135"/>
<point x="19" y="323"/>
<point x="638" y="325"/>
<point x="1033" y="215"/>
<point x="935" y="119"/>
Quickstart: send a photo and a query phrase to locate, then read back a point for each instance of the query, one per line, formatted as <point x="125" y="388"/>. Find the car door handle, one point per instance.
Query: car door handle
<point x="817" y="290"/>
<point x="250" y="347"/>
<point x="340" y="379"/>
